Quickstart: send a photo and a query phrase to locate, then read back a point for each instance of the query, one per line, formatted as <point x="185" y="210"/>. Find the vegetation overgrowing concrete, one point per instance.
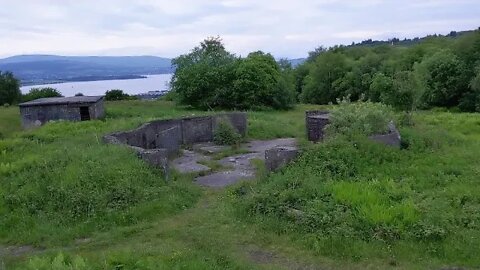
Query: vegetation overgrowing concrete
<point x="67" y="198"/>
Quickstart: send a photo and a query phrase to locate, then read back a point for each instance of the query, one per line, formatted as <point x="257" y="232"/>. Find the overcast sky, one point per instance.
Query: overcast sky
<point x="285" y="28"/>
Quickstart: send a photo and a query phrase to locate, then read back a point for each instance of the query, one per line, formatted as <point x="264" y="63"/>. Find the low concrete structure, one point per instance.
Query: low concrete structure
<point x="80" y="108"/>
<point x="170" y="134"/>
<point x="315" y="123"/>
<point x="392" y="138"/>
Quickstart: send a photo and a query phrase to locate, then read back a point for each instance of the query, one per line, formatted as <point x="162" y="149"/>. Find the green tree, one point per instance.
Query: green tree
<point x="319" y="85"/>
<point x="400" y="91"/>
<point x="116" y="94"/>
<point x="204" y="77"/>
<point x="44" y="92"/>
<point x="443" y="77"/>
<point x="471" y="100"/>
<point x="381" y="83"/>
<point x="9" y="88"/>
<point x="259" y="82"/>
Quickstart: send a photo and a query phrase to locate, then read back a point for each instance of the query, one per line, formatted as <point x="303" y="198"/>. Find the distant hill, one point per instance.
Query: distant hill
<point x="297" y="61"/>
<point x="407" y="41"/>
<point x="38" y="69"/>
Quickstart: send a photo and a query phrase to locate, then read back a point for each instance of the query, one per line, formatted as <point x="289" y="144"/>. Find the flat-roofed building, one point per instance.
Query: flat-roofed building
<point x="79" y="108"/>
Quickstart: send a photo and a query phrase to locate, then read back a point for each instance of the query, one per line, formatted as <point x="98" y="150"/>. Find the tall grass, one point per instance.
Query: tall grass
<point x="355" y="193"/>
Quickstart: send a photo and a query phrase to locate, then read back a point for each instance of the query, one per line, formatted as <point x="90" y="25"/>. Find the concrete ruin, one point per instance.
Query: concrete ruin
<point x="159" y="140"/>
<point x="316" y="121"/>
<point x="82" y="108"/>
<point x="392" y="138"/>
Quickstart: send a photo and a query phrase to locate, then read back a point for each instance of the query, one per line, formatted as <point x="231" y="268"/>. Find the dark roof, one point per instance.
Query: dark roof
<point x="61" y="101"/>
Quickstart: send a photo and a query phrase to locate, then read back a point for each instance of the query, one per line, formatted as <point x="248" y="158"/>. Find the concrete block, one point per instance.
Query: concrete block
<point x="315" y="122"/>
<point x="278" y="157"/>
<point x="392" y="138"/>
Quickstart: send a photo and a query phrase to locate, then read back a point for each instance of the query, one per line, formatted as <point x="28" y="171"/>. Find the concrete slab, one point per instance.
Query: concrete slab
<point x="188" y="163"/>
<point x="209" y="148"/>
<point x="243" y="168"/>
<point x="261" y="146"/>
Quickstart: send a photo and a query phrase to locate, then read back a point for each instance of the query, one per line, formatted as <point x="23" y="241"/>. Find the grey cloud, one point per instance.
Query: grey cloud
<point x="283" y="27"/>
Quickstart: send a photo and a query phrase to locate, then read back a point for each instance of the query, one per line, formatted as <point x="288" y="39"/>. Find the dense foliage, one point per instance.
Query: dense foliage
<point x="210" y="77"/>
<point x="117" y="94"/>
<point x="36" y="93"/>
<point x="9" y="88"/>
<point x="360" y="118"/>
<point x="358" y="199"/>
<point x="437" y="71"/>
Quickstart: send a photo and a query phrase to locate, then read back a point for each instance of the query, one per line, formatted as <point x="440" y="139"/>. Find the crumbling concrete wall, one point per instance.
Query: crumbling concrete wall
<point x="316" y="121"/>
<point x="169" y="135"/>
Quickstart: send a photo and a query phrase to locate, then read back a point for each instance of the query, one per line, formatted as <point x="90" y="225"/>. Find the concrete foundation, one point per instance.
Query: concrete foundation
<point x="159" y="140"/>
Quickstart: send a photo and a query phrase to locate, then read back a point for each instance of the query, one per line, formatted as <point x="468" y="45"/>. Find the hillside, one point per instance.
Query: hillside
<point x="68" y="198"/>
<point x="37" y="69"/>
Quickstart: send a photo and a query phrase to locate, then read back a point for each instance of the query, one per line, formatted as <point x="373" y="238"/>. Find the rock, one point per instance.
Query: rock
<point x="278" y="157"/>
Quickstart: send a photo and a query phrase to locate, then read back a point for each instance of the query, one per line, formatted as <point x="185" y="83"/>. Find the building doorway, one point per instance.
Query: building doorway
<point x="84" y="114"/>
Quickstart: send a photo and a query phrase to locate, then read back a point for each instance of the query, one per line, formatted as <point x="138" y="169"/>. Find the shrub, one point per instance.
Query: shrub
<point x="116" y="94"/>
<point x="79" y="94"/>
<point x="365" y="118"/>
<point x="36" y="93"/>
<point x="226" y="134"/>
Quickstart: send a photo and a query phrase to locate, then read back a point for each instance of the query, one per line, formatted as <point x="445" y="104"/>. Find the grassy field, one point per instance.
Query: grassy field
<point x="70" y="200"/>
<point x="9" y="121"/>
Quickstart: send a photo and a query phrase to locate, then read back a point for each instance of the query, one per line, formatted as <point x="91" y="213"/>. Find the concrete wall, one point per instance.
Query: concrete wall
<point x="97" y="110"/>
<point x="35" y="116"/>
<point x="315" y="124"/>
<point x="170" y="134"/>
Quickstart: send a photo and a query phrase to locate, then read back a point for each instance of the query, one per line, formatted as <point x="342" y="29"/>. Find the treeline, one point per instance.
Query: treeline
<point x="437" y="72"/>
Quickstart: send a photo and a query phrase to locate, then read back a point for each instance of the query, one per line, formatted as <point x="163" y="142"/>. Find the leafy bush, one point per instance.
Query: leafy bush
<point x="117" y="94"/>
<point x="225" y="134"/>
<point x="36" y="93"/>
<point x="443" y="78"/>
<point x="365" y="118"/>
